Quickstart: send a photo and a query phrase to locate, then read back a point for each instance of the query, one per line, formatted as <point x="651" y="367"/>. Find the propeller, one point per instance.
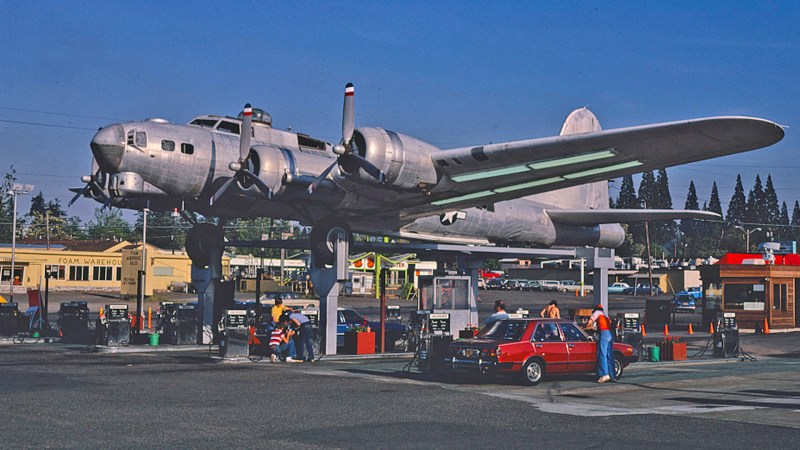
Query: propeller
<point x="242" y="170"/>
<point x="92" y="186"/>
<point x="344" y="149"/>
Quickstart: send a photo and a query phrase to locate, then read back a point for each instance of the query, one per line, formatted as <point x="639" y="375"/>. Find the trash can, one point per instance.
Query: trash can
<point x="655" y="353"/>
<point x="154" y="339"/>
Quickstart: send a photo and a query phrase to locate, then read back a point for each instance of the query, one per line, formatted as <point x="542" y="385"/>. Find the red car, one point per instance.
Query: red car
<point x="532" y="348"/>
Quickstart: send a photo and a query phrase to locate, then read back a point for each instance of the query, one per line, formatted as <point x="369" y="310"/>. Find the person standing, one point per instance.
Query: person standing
<point x="605" y="354"/>
<point x="302" y="324"/>
<point x="551" y="311"/>
<point x="499" y="313"/>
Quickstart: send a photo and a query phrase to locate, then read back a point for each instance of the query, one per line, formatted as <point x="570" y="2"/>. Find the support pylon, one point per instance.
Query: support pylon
<point x="690" y="328"/>
<point x="711" y="328"/>
<point x="666" y="330"/>
<point x="766" y="326"/>
<point x="644" y="333"/>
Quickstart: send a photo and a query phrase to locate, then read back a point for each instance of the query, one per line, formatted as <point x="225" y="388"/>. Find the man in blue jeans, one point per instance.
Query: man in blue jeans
<point x="605" y="344"/>
<point x="281" y="344"/>
<point x="302" y="324"/>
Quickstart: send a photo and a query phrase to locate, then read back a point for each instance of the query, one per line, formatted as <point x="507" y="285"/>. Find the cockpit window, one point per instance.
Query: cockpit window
<point x="230" y="127"/>
<point x="206" y="123"/>
<point x="187" y="148"/>
<point x="167" y="146"/>
<point x="309" y="142"/>
<point x="141" y="139"/>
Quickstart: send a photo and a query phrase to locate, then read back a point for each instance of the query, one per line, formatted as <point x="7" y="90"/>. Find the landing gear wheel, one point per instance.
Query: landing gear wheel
<point x="199" y="242"/>
<point x="618" y="367"/>
<point x="322" y="241"/>
<point x="532" y="372"/>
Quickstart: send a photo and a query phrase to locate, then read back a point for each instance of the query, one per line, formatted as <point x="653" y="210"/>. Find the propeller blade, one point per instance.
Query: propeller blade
<point x="314" y="184"/>
<point x="106" y="204"/>
<point x="348" y="115"/>
<point x="221" y="190"/>
<point x="259" y="184"/>
<point x="368" y="167"/>
<point x="79" y="192"/>
<point x="246" y="131"/>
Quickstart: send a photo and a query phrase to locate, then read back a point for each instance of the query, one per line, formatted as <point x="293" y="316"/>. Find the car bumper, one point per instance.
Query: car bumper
<point x="478" y="365"/>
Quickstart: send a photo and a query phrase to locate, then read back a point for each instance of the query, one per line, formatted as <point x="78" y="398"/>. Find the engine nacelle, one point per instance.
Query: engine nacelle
<point x="403" y="159"/>
<point x="270" y="164"/>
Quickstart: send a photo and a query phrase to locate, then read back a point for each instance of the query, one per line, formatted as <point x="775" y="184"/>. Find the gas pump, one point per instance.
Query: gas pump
<point x="234" y="334"/>
<point x="393" y="313"/>
<point x="73" y="321"/>
<point x="436" y="339"/>
<point x="9" y="319"/>
<point x="183" y="325"/>
<point x="726" y="335"/>
<point x="115" y="326"/>
<point x="628" y="329"/>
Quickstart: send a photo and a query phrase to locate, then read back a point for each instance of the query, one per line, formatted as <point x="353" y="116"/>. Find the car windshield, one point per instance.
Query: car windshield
<point x="351" y="316"/>
<point x="507" y="330"/>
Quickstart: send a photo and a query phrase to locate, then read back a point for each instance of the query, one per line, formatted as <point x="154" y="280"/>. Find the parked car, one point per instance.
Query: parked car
<point x="348" y="318"/>
<point x="532" y="348"/>
<point x="549" y="285"/>
<point x="618" y="288"/>
<point x="683" y="301"/>
<point x="495" y="284"/>
<point x="696" y="292"/>
<point x="642" y="289"/>
<point x="574" y="286"/>
<point x="481" y="283"/>
<point x="530" y="285"/>
<point x="512" y="285"/>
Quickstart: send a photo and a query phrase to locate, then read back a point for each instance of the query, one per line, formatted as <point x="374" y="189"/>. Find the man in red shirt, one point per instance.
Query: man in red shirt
<point x="605" y="344"/>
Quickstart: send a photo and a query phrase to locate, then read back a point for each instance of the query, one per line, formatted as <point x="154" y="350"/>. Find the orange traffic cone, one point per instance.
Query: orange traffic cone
<point x="766" y="326"/>
<point x="711" y="328"/>
<point x="690" y="328"/>
<point x="666" y="330"/>
<point x="644" y="333"/>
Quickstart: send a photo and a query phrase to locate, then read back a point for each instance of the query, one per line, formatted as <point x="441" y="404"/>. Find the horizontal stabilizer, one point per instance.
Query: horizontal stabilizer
<point x="595" y="216"/>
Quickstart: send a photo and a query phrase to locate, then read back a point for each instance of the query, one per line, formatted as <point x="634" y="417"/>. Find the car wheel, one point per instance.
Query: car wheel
<point x="532" y="372"/>
<point x="618" y="367"/>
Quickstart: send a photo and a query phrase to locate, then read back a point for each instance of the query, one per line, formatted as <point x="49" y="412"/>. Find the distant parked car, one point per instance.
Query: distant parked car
<point x="683" y="301"/>
<point x="549" y="285"/>
<point x="495" y="284"/>
<point x="642" y="289"/>
<point x="481" y="283"/>
<point x="512" y="285"/>
<point x="574" y="286"/>
<point x="530" y="285"/>
<point x="618" y="288"/>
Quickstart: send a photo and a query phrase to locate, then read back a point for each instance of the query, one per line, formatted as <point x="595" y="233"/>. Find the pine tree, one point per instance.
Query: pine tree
<point x="690" y="228"/>
<point x="756" y="213"/>
<point x="7" y="205"/>
<point x="737" y="208"/>
<point x="783" y="232"/>
<point x="627" y="194"/>
<point x="108" y="225"/>
<point x="712" y="230"/>
<point x="662" y="232"/>
<point x="795" y="221"/>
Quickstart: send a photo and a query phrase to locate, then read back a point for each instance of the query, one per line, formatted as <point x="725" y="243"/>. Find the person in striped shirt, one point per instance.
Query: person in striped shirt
<point x="281" y="344"/>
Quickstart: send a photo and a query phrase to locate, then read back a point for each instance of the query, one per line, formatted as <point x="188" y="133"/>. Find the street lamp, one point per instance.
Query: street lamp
<point x="746" y="236"/>
<point x="16" y="189"/>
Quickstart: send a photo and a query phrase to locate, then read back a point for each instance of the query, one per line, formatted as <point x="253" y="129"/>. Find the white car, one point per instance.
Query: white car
<point x="618" y="288"/>
<point x="574" y="286"/>
<point x="549" y="285"/>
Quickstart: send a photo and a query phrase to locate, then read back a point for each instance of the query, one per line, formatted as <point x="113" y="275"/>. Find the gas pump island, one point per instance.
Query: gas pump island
<point x="453" y="297"/>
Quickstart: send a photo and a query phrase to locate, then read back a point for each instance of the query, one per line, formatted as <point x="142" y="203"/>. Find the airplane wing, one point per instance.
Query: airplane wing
<point x="475" y="176"/>
<point x="595" y="216"/>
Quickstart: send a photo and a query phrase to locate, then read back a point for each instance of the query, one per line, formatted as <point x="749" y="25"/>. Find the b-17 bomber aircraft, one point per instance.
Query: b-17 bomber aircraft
<point x="550" y="191"/>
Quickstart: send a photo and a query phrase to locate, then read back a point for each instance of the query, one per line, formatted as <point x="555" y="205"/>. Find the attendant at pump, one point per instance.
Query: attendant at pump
<point x="605" y="354"/>
<point x="499" y="313"/>
<point x="281" y="344"/>
<point x="302" y="324"/>
<point x="278" y="309"/>
<point x="551" y="311"/>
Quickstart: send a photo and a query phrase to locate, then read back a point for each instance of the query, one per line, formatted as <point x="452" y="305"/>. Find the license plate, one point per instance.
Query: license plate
<point x="471" y="352"/>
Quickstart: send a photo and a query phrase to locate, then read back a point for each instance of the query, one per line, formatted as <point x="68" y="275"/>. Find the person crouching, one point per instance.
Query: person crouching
<point x="281" y="344"/>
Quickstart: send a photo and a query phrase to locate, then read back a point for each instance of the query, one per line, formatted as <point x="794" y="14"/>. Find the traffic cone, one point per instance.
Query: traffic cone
<point x="766" y="326"/>
<point x="644" y="333"/>
<point x="711" y="328"/>
<point x="690" y="328"/>
<point x="666" y="330"/>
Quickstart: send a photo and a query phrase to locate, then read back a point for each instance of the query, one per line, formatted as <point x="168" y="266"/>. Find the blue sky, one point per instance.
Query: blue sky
<point x="450" y="73"/>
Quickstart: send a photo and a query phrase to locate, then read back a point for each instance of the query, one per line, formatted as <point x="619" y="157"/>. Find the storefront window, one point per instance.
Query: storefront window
<point x="103" y="273"/>
<point x="748" y="297"/>
<point x="79" y="273"/>
<point x="57" y="272"/>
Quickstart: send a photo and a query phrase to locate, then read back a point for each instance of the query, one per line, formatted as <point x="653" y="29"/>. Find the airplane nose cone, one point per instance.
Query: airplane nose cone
<point x="108" y="146"/>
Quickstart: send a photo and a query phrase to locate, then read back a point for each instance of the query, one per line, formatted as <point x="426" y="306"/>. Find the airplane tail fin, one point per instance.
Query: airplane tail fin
<point x="587" y="196"/>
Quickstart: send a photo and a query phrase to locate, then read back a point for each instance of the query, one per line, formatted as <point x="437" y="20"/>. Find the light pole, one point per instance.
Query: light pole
<point x="746" y="236"/>
<point x="16" y="189"/>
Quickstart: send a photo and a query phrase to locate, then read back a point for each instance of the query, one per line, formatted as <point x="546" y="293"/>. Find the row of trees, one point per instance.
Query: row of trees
<point x="759" y="216"/>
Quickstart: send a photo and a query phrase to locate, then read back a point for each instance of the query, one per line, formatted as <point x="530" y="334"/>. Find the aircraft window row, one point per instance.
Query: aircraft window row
<point x="167" y="146"/>
<point x="187" y="149"/>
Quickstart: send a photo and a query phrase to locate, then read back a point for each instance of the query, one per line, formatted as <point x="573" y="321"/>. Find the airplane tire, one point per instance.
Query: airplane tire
<point x="198" y="243"/>
<point x="322" y="241"/>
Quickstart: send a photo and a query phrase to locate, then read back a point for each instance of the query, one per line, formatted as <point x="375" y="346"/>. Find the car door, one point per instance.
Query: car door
<point x="582" y="351"/>
<point x="548" y="343"/>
